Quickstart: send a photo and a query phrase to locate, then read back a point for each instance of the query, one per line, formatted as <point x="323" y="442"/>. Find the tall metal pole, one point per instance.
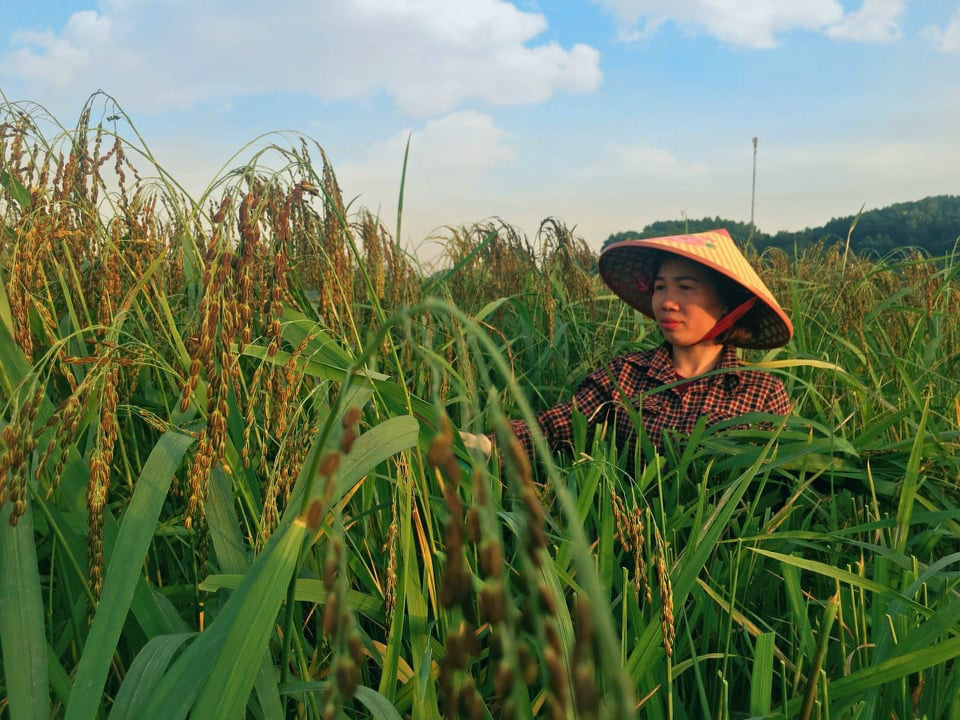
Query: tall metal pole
<point x="753" y="191"/>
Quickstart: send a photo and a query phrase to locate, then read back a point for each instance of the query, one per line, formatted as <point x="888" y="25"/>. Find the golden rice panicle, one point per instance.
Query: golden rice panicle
<point x="457" y="688"/>
<point x="331" y="568"/>
<point x="639" y="554"/>
<point x="629" y="528"/>
<point x="326" y="469"/>
<point x="211" y="452"/>
<point x="101" y="460"/>
<point x="109" y="274"/>
<point x="66" y="420"/>
<point x="212" y="356"/>
<point x="288" y="383"/>
<point x="492" y="600"/>
<point x="251" y="429"/>
<point x="503" y="678"/>
<point x="287" y="466"/>
<point x="456" y="586"/>
<point x="278" y="288"/>
<point x="19" y="302"/>
<point x="205" y="345"/>
<point x="440" y="454"/>
<point x="621" y="528"/>
<point x="27" y="259"/>
<point x="249" y="252"/>
<point x="586" y="694"/>
<point x="554" y="658"/>
<point x="350" y="420"/>
<point x="492" y="603"/>
<point x="374" y="253"/>
<point x="562" y="255"/>
<point x="334" y="255"/>
<point x="262" y="289"/>
<point x="472" y="522"/>
<point x="917" y="694"/>
<point x="390" y="546"/>
<point x="518" y="464"/>
<point x="19" y="441"/>
<point x="666" y="594"/>
<point x="10" y="472"/>
<point x="339" y="627"/>
<point x="14" y="152"/>
<point x="441" y="445"/>
<point x="469" y="699"/>
<point x="527" y="663"/>
<point x="119" y="162"/>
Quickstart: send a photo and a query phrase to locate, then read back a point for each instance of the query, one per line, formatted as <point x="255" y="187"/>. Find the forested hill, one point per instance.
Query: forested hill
<point x="932" y="223"/>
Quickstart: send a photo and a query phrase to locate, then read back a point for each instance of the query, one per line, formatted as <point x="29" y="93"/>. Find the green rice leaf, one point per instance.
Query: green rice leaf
<point x="16" y="189"/>
<point x="691" y="562"/>
<point x="844" y="576"/>
<point x="761" y="678"/>
<point x="144" y="674"/>
<point x="908" y="488"/>
<point x="122" y="573"/>
<point x="21" y="620"/>
<point x="377" y="445"/>
<point x="376" y="703"/>
<point x="850" y="689"/>
<point x="6" y="316"/>
<point x="308" y="590"/>
<point x="218" y="669"/>
<point x="379" y="707"/>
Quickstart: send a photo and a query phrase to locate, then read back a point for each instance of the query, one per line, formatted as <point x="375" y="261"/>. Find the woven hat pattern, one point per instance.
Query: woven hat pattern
<point x="627" y="268"/>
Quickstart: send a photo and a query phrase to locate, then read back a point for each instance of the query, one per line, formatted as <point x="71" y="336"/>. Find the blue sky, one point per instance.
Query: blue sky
<point x="608" y="114"/>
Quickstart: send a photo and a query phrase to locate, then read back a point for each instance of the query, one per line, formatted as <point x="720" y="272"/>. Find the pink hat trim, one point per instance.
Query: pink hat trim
<point x="730" y="318"/>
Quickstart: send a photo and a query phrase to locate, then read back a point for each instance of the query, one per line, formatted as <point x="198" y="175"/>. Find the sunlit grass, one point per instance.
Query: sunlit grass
<point x="232" y="484"/>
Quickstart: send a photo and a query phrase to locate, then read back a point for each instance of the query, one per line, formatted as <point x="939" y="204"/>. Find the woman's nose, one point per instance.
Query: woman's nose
<point x="667" y="302"/>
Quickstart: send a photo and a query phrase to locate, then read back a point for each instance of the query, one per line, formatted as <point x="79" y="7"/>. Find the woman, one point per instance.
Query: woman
<point x="706" y="300"/>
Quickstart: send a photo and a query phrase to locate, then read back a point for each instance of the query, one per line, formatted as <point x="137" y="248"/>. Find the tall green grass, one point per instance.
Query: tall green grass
<point x="229" y="449"/>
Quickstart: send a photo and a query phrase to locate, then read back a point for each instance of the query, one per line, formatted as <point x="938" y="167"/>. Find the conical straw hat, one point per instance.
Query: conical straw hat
<point x="627" y="267"/>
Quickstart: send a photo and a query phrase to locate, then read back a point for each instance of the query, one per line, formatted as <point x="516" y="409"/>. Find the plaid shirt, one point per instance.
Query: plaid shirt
<point x="719" y="397"/>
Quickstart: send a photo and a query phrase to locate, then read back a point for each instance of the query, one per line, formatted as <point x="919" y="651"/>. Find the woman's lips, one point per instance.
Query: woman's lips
<point x="669" y="324"/>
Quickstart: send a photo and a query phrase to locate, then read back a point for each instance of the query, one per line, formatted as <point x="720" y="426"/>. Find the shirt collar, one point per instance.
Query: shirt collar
<point x="661" y="367"/>
<point x="728" y="360"/>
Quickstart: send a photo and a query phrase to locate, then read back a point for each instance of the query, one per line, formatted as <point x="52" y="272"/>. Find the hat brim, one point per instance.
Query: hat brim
<point x="627" y="268"/>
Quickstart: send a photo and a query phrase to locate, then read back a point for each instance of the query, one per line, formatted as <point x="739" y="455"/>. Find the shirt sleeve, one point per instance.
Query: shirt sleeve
<point x="777" y="401"/>
<point x="593" y="398"/>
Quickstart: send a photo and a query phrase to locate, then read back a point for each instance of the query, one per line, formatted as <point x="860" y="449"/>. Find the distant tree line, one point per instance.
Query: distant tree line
<point x="932" y="224"/>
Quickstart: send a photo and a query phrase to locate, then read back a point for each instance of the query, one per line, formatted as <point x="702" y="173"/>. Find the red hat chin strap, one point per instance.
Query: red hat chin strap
<point x="727" y="321"/>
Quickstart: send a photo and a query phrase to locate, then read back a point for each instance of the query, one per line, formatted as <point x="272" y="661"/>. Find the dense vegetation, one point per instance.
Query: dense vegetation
<point x="231" y="484"/>
<point x="931" y="225"/>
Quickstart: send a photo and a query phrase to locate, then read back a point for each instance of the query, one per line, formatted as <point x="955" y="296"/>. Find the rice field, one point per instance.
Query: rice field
<point x="231" y="483"/>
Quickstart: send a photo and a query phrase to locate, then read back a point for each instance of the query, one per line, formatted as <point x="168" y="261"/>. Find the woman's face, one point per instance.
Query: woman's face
<point x="686" y="304"/>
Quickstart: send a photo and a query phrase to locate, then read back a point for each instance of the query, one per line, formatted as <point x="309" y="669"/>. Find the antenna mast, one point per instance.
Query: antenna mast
<point x="753" y="191"/>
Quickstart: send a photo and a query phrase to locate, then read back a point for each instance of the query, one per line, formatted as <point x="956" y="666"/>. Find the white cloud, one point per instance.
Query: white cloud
<point x="758" y="23"/>
<point x="946" y="40"/>
<point x="624" y="162"/>
<point x="449" y="168"/>
<point x="466" y="143"/>
<point x="875" y="21"/>
<point x="752" y="23"/>
<point x="428" y="55"/>
<point x="66" y="55"/>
